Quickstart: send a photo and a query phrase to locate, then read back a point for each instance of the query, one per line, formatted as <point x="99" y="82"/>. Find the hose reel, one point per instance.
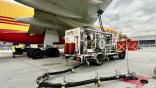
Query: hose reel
<point x="102" y="43"/>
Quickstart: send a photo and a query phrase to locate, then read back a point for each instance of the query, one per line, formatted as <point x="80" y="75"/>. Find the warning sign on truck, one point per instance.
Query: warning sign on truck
<point x="132" y="45"/>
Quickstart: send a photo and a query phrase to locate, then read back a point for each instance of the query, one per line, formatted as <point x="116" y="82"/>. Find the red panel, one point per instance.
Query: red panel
<point x="132" y="45"/>
<point x="71" y="48"/>
<point x="121" y="46"/>
<point x="66" y="48"/>
<point x="20" y="37"/>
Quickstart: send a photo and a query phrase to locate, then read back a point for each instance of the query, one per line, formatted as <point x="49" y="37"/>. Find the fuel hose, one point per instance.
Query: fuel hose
<point x="42" y="81"/>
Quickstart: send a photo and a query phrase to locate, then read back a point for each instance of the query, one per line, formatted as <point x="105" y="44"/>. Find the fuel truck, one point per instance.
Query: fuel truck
<point x="87" y="44"/>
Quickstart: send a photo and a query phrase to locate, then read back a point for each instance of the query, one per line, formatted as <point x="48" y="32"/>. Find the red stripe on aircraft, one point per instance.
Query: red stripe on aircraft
<point x="14" y="23"/>
<point x="11" y="20"/>
<point x="6" y="17"/>
<point x="11" y="31"/>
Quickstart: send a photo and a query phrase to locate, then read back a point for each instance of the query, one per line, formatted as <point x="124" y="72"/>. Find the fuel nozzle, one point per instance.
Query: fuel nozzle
<point x="100" y="12"/>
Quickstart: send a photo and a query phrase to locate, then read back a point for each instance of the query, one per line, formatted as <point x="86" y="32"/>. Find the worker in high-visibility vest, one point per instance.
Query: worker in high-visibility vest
<point x="13" y="48"/>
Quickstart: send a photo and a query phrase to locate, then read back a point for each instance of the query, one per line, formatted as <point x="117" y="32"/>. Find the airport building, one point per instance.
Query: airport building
<point x="146" y="40"/>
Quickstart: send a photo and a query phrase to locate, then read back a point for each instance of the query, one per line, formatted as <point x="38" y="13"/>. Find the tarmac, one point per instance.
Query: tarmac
<point x="21" y="72"/>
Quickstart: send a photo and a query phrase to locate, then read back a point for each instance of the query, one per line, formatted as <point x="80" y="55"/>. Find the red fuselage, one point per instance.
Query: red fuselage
<point x="18" y="36"/>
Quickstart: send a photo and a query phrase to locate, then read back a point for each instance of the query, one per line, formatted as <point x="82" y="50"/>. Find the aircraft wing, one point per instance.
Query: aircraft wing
<point x="63" y="14"/>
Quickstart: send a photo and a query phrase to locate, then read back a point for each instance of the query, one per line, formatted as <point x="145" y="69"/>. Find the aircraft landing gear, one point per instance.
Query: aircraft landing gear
<point x="52" y="52"/>
<point x="19" y="51"/>
<point x="37" y="53"/>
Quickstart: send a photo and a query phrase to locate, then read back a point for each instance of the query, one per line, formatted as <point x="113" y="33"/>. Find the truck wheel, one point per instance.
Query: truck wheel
<point x="99" y="60"/>
<point x="52" y="52"/>
<point x="36" y="53"/>
<point x="121" y="55"/>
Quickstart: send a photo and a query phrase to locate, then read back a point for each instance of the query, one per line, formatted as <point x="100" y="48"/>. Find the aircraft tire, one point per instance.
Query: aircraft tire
<point x="36" y="53"/>
<point x="29" y="52"/>
<point x="52" y="52"/>
<point x="19" y="51"/>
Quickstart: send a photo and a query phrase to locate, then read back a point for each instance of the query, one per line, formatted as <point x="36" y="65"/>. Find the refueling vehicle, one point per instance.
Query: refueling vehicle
<point x="90" y="45"/>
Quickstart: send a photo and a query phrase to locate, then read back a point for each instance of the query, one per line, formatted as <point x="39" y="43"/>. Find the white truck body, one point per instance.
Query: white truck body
<point x="90" y="43"/>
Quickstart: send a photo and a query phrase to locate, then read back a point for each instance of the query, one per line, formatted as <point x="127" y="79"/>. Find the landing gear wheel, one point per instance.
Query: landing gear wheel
<point x="121" y="55"/>
<point x="52" y="52"/>
<point x="28" y="52"/>
<point x="19" y="51"/>
<point x="36" y="53"/>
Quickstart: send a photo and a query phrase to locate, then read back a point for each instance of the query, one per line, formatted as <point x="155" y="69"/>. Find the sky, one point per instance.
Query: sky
<point x="132" y="17"/>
